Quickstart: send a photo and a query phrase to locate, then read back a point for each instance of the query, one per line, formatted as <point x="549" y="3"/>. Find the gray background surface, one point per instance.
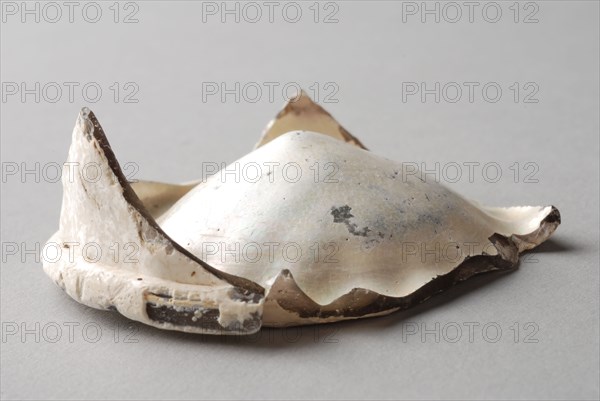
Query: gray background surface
<point x="367" y="55"/>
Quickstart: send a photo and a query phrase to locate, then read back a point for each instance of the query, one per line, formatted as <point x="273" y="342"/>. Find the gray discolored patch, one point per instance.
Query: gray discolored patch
<point x="342" y="215"/>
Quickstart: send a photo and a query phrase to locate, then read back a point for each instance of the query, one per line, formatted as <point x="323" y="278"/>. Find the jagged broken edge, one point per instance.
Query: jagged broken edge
<point x="288" y="297"/>
<point x="305" y="111"/>
<point x="132" y="198"/>
<point x="161" y="313"/>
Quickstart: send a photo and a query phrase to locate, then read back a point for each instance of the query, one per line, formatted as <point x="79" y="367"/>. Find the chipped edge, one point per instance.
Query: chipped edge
<point x="285" y="296"/>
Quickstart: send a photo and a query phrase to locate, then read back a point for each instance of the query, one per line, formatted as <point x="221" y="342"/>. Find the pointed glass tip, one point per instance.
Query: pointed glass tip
<point x="84" y="123"/>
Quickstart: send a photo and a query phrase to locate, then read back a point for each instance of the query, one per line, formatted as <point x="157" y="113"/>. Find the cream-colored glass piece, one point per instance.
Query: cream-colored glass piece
<point x="320" y="230"/>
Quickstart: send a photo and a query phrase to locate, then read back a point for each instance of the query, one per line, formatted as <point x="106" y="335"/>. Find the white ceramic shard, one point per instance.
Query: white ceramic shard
<point x="310" y="227"/>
